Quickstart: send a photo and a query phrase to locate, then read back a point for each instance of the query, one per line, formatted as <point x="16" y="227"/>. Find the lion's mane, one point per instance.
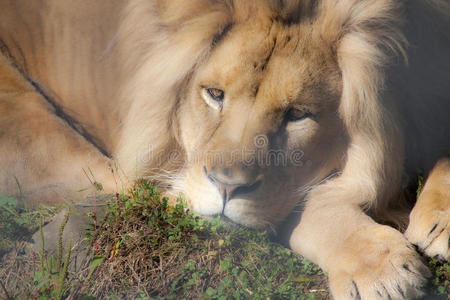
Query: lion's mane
<point x="163" y="44"/>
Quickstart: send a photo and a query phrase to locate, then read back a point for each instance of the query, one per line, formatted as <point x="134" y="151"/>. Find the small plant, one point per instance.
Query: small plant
<point x="148" y="248"/>
<point x="167" y="251"/>
<point x="17" y="223"/>
<point x="441" y="277"/>
<point x="49" y="282"/>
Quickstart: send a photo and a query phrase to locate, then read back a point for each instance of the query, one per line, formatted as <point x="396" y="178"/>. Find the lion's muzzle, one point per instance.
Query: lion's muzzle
<point x="233" y="182"/>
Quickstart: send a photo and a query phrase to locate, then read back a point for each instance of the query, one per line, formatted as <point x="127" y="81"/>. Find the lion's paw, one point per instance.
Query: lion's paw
<point x="376" y="262"/>
<point x="429" y="229"/>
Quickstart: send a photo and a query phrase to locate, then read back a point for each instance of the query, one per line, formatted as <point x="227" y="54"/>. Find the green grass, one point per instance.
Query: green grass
<point x="148" y="249"/>
<point x="17" y="224"/>
<point x="188" y="257"/>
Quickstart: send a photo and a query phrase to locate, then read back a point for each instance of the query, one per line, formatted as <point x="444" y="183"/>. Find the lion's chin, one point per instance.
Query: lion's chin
<point x="243" y="212"/>
<point x="237" y="211"/>
<point x="206" y="201"/>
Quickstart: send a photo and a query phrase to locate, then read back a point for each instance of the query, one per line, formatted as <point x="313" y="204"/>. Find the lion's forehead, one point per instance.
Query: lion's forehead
<point x="278" y="63"/>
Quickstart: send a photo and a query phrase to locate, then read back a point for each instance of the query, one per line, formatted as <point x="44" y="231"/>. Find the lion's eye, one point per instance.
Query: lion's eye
<point x="294" y="115"/>
<point x="216" y="94"/>
<point x="214" y="97"/>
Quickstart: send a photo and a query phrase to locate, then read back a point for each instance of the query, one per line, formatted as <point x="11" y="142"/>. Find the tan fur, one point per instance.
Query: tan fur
<point x="429" y="226"/>
<point x="120" y="89"/>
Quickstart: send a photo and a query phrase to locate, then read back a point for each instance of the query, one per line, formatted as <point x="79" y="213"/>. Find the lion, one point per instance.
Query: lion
<point x="254" y="110"/>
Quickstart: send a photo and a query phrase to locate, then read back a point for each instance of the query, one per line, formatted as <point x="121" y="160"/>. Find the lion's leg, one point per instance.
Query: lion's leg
<point x="429" y="221"/>
<point x="40" y="149"/>
<point x="364" y="260"/>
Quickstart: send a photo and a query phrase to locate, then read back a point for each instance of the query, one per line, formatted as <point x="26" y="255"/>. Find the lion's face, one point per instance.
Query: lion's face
<point x="259" y="122"/>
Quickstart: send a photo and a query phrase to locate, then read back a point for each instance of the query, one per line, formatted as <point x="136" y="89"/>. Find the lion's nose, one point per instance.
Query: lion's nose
<point x="230" y="186"/>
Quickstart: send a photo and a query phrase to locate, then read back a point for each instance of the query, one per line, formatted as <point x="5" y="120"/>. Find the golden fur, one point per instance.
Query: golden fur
<point x="325" y="105"/>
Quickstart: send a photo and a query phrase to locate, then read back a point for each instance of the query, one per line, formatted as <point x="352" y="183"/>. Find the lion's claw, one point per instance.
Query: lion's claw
<point x="430" y="231"/>
<point x="382" y="266"/>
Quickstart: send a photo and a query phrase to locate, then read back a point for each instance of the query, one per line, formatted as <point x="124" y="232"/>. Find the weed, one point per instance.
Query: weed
<point x="169" y="252"/>
<point x="149" y="249"/>
<point x="17" y="224"/>
<point x="441" y="276"/>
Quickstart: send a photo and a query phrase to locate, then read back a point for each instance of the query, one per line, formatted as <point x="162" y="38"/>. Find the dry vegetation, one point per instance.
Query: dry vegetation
<point x="146" y="248"/>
